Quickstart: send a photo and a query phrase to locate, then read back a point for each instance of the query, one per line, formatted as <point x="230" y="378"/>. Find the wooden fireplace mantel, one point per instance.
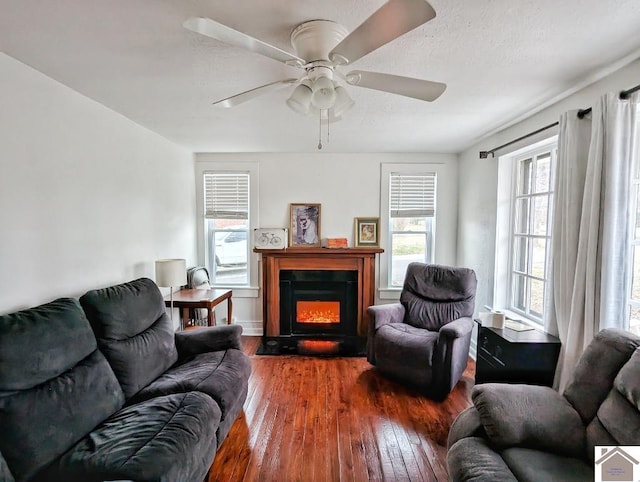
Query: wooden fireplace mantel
<point x="361" y="260"/>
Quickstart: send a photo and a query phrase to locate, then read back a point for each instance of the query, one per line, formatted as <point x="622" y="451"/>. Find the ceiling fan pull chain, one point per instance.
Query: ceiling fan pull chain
<point x="327" y="126"/>
<point x="320" y="130"/>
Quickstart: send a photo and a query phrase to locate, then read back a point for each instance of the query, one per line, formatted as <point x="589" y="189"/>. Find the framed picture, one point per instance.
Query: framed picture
<point x="304" y="228"/>
<point x="367" y="232"/>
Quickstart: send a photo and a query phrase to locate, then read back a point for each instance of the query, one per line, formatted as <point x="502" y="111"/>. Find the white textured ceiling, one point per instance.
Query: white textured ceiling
<point x="500" y="59"/>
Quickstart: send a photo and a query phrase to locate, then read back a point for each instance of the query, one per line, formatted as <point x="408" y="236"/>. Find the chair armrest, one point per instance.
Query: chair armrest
<point x="380" y="315"/>
<point x="203" y="340"/>
<point x="529" y="416"/>
<point x="456" y="329"/>
<point x="451" y="354"/>
<point x="385" y="314"/>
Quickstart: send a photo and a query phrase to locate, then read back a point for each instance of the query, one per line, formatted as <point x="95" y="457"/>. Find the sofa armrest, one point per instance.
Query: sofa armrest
<point x="529" y="416"/>
<point x="473" y="459"/>
<point x="466" y="424"/>
<point x="202" y="340"/>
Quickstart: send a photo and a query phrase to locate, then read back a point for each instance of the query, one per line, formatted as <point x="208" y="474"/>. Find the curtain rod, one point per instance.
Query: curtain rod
<point x="581" y="113"/>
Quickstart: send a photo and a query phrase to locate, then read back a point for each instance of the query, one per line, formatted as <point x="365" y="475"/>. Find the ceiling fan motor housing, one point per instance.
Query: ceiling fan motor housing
<point x="314" y="40"/>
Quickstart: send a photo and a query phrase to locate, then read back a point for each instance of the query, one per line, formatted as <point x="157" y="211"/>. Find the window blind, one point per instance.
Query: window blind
<point x="412" y="195"/>
<point x="226" y="195"/>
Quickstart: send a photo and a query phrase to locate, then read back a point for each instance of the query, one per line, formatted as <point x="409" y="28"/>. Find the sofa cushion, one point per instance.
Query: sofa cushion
<point x="434" y="295"/>
<point x="223" y="375"/>
<point x="55" y="385"/>
<point x="133" y="331"/>
<point x="529" y="416"/>
<point x="620" y="419"/>
<point x="530" y="465"/>
<point x="42" y="336"/>
<point x="627" y="382"/>
<point x="168" y="438"/>
<point x="596" y="369"/>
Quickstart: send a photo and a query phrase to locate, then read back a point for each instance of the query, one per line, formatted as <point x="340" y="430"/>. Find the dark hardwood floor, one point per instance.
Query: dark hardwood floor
<point x="335" y="419"/>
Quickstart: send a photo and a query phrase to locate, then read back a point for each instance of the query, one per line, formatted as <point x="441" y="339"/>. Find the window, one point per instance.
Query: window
<point x="525" y="201"/>
<point x="411" y="220"/>
<point x="634" y="296"/>
<point x="226" y="212"/>
<point x="531" y="233"/>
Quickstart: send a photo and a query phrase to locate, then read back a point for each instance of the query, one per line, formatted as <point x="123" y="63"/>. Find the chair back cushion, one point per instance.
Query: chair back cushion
<point x="435" y="295"/>
<point x="133" y="331"/>
<point x="55" y="385"/>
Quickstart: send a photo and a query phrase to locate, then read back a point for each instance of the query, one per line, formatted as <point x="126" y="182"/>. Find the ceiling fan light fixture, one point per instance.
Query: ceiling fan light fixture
<point x="324" y="95"/>
<point x="343" y="101"/>
<point x="300" y="99"/>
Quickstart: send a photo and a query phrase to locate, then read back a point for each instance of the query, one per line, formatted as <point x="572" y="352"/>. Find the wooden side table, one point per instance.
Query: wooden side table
<point x="200" y="298"/>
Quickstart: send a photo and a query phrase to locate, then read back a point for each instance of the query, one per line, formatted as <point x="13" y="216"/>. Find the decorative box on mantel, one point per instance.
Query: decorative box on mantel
<point x="355" y="267"/>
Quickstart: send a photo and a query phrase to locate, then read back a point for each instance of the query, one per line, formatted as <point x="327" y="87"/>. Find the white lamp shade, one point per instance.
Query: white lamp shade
<point x="324" y="95"/>
<point x="300" y="99"/>
<point x="171" y="272"/>
<point x="343" y="101"/>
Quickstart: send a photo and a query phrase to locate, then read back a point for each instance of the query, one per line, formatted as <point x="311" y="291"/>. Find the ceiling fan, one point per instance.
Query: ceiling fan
<point x="322" y="47"/>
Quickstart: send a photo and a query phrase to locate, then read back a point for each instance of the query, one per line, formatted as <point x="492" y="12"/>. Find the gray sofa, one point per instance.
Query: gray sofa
<point x="533" y="433"/>
<point x="103" y="389"/>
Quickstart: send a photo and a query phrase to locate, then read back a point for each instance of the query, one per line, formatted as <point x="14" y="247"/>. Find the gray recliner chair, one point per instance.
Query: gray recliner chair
<point x="423" y="340"/>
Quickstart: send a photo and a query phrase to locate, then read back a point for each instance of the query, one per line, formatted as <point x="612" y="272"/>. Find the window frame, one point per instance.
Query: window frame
<point x="506" y="219"/>
<point x="398" y="203"/>
<point x="223" y="206"/>
<point x="443" y="235"/>
<point x="251" y="288"/>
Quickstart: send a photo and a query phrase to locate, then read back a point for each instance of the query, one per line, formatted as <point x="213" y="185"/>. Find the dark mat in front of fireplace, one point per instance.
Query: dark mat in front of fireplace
<point x="345" y="347"/>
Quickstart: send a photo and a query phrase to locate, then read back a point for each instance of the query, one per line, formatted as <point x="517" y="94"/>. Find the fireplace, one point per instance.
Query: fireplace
<point x="347" y="278"/>
<point x="318" y="303"/>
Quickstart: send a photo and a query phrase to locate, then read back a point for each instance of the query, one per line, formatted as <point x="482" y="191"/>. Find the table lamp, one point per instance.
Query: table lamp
<point x="170" y="273"/>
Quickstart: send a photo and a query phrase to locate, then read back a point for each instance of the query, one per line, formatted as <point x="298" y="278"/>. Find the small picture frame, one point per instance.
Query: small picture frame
<point x="304" y="228"/>
<point x="367" y="232"/>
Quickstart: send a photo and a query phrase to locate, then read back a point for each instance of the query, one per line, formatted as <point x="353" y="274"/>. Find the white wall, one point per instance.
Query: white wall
<point x="478" y="178"/>
<point x="87" y="197"/>
<point x="346" y="185"/>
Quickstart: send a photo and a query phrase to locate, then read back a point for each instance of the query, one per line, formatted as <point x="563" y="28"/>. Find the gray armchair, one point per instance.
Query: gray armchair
<point x="424" y="339"/>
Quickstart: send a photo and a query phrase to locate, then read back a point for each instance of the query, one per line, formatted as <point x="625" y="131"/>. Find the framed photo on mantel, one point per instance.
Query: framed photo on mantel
<point x="304" y="229"/>
<point x="367" y="232"/>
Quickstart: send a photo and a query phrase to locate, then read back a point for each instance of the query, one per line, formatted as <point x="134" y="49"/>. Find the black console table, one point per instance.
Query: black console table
<point x="511" y="356"/>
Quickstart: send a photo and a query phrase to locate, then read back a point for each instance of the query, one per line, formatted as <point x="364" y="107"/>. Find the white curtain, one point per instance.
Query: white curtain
<point x="571" y="167"/>
<point x="590" y="238"/>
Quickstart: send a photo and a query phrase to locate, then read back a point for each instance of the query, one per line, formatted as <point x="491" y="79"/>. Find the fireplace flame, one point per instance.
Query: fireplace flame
<point x="318" y="312"/>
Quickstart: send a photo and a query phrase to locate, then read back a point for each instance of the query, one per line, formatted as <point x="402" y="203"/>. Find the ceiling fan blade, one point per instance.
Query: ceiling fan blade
<point x="393" y="19"/>
<point x="253" y="93"/>
<point x="218" y="31"/>
<point x="407" y="86"/>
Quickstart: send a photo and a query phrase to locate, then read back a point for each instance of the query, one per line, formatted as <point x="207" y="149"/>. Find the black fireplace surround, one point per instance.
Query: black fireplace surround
<point x="318" y="285"/>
